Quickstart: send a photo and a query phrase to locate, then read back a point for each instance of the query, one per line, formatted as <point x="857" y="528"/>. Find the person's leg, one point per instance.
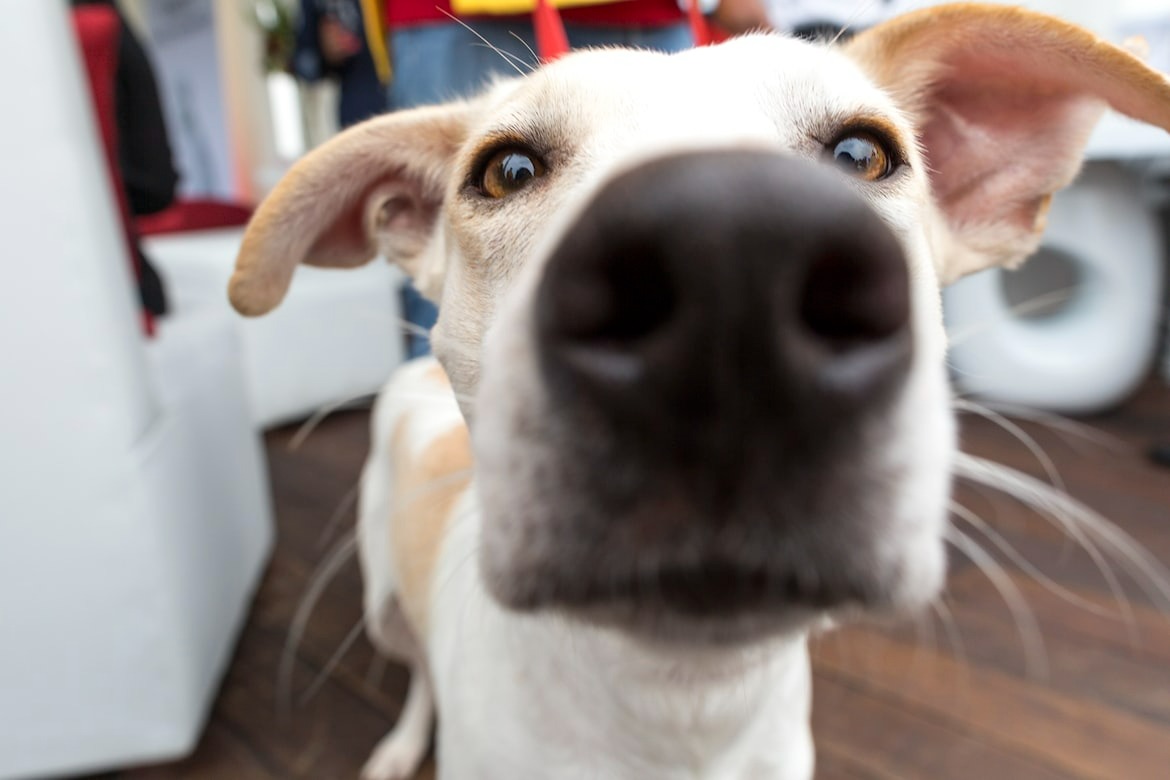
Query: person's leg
<point x="362" y="94"/>
<point x="444" y="61"/>
<point x="492" y="49"/>
<point x="422" y="76"/>
<point x="421" y="315"/>
<point x="422" y="64"/>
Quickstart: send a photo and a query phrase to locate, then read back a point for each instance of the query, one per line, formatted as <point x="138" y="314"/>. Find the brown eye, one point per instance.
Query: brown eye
<point x="862" y="155"/>
<point x="509" y="170"/>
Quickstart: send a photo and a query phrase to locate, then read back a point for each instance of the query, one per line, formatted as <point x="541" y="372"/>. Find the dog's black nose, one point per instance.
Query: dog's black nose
<point x="735" y="288"/>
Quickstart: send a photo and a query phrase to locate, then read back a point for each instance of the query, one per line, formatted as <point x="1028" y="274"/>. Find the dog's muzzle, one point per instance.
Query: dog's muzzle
<point x="702" y="300"/>
<point x="721" y="338"/>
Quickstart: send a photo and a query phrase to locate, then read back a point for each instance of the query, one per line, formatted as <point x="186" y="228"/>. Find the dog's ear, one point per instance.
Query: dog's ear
<point x="1005" y="100"/>
<point x="375" y="189"/>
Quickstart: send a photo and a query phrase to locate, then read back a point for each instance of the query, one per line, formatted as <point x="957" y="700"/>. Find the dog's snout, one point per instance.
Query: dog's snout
<point x="699" y="280"/>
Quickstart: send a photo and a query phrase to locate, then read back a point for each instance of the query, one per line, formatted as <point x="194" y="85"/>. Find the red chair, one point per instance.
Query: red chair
<point x="97" y="29"/>
<point x="187" y="215"/>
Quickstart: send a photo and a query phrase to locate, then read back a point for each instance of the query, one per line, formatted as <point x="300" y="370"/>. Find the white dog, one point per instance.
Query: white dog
<point x="691" y="324"/>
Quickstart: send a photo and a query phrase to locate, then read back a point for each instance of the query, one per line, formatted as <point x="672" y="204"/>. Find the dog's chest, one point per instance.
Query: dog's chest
<point x="533" y="696"/>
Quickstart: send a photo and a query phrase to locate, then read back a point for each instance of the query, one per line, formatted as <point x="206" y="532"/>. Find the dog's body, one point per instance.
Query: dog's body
<point x="702" y="373"/>
<point x="534" y="694"/>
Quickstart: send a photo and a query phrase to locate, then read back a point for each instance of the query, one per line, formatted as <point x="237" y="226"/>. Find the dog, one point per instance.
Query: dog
<point x="689" y="402"/>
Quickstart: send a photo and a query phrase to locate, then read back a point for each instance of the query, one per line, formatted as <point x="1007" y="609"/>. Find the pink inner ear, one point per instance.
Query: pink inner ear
<point x="1001" y="137"/>
<point x="394" y="216"/>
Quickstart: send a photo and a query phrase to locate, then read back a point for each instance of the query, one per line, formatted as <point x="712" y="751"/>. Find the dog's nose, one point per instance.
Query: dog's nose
<point x="725" y="284"/>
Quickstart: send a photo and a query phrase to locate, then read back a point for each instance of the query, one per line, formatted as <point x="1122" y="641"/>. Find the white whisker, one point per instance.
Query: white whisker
<point x="435" y="395"/>
<point x="1035" y="654"/>
<point x="1038" y="303"/>
<point x="508" y="58"/>
<point x="318" y="417"/>
<point x="955" y="640"/>
<point x="1071" y="429"/>
<point x="414" y="329"/>
<point x="331" y="664"/>
<point x="431" y="485"/>
<point x="1025" y="565"/>
<point x="858" y="11"/>
<point x="512" y="59"/>
<point x="951" y="629"/>
<point x="338" y="515"/>
<point x="524" y="43"/>
<point x="925" y="639"/>
<point x="1016" y="432"/>
<point x="1049" y="504"/>
<point x="320" y="579"/>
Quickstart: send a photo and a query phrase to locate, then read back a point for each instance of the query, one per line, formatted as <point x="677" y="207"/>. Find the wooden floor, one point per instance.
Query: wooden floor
<point x="939" y="699"/>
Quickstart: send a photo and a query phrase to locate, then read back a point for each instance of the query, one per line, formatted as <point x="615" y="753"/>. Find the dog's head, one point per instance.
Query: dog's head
<point x="691" y="301"/>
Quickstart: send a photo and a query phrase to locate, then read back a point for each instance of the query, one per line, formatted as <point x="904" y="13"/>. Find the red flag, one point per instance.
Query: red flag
<point x="699" y="27"/>
<point x="551" y="41"/>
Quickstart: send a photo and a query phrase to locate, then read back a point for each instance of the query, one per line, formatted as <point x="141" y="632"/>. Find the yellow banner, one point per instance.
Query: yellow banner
<point x="512" y="7"/>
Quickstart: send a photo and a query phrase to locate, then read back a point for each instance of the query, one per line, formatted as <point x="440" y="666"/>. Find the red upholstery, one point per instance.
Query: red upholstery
<point x="187" y="215"/>
<point x="97" y="29"/>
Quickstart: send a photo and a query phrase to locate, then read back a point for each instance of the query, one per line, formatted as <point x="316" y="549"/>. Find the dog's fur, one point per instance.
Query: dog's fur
<point x="476" y="575"/>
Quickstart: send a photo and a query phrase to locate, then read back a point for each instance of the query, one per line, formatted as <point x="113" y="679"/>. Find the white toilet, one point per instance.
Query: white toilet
<point x="1076" y="329"/>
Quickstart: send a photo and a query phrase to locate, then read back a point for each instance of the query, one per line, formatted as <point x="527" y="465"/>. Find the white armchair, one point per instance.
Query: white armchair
<point x="134" y="515"/>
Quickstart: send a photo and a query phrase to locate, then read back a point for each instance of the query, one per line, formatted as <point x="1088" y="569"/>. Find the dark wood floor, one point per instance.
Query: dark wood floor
<point x="916" y="701"/>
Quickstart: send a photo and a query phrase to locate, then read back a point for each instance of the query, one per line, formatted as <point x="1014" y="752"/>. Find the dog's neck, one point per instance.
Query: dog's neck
<point x="627" y="708"/>
<point x="705" y="713"/>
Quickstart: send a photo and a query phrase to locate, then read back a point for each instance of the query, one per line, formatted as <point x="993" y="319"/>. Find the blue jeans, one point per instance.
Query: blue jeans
<point x="438" y="62"/>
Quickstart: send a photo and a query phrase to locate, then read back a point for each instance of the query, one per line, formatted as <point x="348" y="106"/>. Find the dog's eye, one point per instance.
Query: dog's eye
<point x="508" y="170"/>
<point x="862" y="155"/>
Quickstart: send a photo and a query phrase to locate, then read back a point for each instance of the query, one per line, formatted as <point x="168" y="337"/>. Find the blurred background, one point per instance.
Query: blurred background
<point x="177" y="595"/>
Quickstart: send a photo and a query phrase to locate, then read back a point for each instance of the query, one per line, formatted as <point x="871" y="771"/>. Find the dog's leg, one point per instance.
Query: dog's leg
<point x="398" y="755"/>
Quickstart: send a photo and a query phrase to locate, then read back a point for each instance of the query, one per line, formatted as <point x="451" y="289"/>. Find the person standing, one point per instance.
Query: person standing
<point x="144" y="158"/>
<point x="344" y="40"/>
<point x="436" y="58"/>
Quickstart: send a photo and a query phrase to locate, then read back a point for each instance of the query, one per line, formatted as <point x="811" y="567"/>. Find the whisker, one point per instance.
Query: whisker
<point x="318" y="417"/>
<point x="506" y="57"/>
<point x="951" y="629"/>
<point x="955" y="639"/>
<point x="339" y="513"/>
<point x="514" y="60"/>
<point x="413" y="328"/>
<point x="1017" y="433"/>
<point x="1039" y="496"/>
<point x="1035" y="654"/>
<point x="431" y="485"/>
<point x="1025" y="565"/>
<point x="1071" y="429"/>
<point x="435" y="395"/>
<point x="320" y="579"/>
<point x="1038" y="303"/>
<point x="524" y="43"/>
<point x="463" y="513"/>
<point x="923" y="631"/>
<point x="332" y="663"/>
<point x="847" y="26"/>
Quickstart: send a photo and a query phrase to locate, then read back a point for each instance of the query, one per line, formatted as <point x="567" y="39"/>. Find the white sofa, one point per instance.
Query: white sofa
<point x="337" y="336"/>
<point x="134" y="510"/>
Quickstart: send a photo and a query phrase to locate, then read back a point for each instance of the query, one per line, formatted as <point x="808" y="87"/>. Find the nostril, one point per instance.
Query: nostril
<point x="617" y="300"/>
<point x="853" y="296"/>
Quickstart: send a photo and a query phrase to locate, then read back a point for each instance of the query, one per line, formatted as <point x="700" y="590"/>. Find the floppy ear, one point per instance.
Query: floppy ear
<point x="1004" y="100"/>
<point x="374" y="189"/>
